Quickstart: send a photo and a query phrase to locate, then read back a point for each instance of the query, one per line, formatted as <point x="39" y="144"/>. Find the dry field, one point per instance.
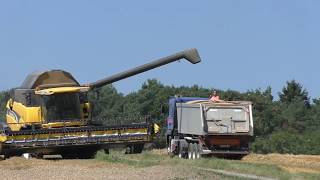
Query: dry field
<point x="291" y="163"/>
<point x="18" y="168"/>
<point x="157" y="165"/>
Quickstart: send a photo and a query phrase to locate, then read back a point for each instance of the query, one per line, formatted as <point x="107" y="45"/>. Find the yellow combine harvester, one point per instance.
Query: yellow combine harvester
<point x="50" y="114"/>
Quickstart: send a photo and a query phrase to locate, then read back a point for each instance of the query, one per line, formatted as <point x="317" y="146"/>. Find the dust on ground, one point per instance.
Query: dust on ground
<point x="289" y="162"/>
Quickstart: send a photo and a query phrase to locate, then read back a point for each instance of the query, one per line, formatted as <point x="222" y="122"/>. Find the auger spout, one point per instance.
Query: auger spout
<point x="191" y="55"/>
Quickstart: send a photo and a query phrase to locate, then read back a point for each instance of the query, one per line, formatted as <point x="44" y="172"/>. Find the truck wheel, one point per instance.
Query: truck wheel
<point x="197" y="151"/>
<point x="181" y="154"/>
<point x="190" y="151"/>
<point x="194" y="150"/>
<point x="169" y="146"/>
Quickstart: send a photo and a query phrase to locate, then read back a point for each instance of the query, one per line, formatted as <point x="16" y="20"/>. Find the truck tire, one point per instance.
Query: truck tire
<point x="194" y="150"/>
<point x="169" y="146"/>
<point x="181" y="154"/>
<point x="197" y="151"/>
<point x="190" y="150"/>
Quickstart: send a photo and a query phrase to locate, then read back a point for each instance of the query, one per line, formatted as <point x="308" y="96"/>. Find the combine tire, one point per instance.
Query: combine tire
<point x="106" y="151"/>
<point x="134" y="149"/>
<point x="89" y="154"/>
<point x="69" y="155"/>
<point x="137" y="148"/>
<point x="79" y="153"/>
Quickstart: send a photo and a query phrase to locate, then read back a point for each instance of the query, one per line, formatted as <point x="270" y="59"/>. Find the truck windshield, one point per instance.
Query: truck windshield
<point x="61" y="107"/>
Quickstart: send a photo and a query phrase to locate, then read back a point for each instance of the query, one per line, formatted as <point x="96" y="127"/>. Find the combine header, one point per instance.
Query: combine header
<point x="50" y="114"/>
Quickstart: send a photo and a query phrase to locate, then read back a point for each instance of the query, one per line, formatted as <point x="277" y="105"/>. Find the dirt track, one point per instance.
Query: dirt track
<point x="20" y="168"/>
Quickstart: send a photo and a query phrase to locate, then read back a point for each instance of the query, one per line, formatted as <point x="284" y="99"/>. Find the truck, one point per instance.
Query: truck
<point x="200" y="127"/>
<point x="50" y="114"/>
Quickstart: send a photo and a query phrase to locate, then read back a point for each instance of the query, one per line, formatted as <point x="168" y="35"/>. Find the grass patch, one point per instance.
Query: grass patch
<point x="241" y="167"/>
<point x="144" y="159"/>
<point x="149" y="158"/>
<point x="267" y="170"/>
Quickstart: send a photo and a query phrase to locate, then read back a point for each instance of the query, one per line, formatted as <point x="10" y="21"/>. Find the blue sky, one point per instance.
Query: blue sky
<point x="243" y="44"/>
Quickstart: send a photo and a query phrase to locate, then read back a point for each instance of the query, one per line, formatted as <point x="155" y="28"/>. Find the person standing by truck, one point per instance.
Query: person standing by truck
<point x="214" y="97"/>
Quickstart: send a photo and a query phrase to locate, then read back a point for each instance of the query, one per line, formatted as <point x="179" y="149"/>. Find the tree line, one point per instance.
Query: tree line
<point x="290" y="124"/>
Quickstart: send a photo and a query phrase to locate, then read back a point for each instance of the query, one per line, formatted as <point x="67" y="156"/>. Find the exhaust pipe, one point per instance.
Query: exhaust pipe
<point x="191" y="55"/>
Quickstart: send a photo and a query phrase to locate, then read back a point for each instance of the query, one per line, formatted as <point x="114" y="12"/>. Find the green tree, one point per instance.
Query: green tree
<point x="4" y="96"/>
<point x="231" y="95"/>
<point x="313" y="120"/>
<point x="294" y="116"/>
<point x="288" y="142"/>
<point x="295" y="107"/>
<point x="106" y="102"/>
<point x="264" y="111"/>
<point x="293" y="91"/>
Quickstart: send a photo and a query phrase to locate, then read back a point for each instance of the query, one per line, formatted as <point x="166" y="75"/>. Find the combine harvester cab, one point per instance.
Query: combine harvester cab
<point x="50" y="114"/>
<point x="198" y="126"/>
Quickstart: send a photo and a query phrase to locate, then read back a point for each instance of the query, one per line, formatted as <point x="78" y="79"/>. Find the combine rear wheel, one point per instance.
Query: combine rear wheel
<point x="68" y="154"/>
<point x="137" y="148"/>
<point x="89" y="154"/>
<point x="2" y="153"/>
<point x="134" y="149"/>
<point x="4" y="156"/>
<point x="79" y="153"/>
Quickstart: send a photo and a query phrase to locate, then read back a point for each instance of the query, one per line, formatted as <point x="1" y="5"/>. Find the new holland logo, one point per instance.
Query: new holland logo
<point x="14" y="115"/>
